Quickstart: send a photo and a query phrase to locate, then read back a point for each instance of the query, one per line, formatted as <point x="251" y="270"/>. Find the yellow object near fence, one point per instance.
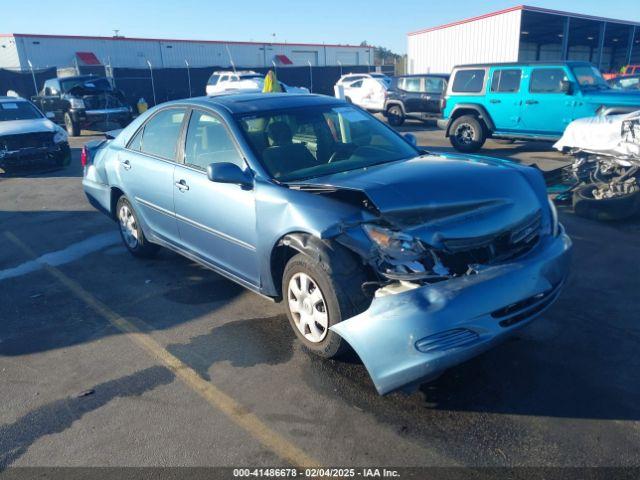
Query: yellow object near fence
<point x="142" y="105"/>
<point x="271" y="84"/>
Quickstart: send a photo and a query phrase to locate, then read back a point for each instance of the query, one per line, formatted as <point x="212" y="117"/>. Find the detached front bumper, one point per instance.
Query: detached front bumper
<point x="57" y="155"/>
<point x="418" y="334"/>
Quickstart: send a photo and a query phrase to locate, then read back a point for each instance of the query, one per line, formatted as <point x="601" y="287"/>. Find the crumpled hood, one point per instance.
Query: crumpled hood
<point x="437" y="197"/>
<point x="17" y="127"/>
<point x="613" y="97"/>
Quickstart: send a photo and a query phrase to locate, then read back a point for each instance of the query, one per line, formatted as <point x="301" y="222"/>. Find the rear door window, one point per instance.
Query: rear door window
<point x="161" y="133"/>
<point x="506" y="81"/>
<point x="468" y="81"/>
<point x="547" y="80"/>
<point x="434" y="85"/>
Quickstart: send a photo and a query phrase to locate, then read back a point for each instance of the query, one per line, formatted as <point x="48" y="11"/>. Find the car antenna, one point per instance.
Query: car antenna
<point x="233" y="65"/>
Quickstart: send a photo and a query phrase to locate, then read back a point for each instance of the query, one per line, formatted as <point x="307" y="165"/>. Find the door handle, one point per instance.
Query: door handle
<point x="531" y="102"/>
<point x="495" y="100"/>
<point x="182" y="186"/>
<point x="126" y="164"/>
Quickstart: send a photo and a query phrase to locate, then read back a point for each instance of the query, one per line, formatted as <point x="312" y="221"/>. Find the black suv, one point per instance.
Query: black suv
<point x="415" y="96"/>
<point x="83" y="102"/>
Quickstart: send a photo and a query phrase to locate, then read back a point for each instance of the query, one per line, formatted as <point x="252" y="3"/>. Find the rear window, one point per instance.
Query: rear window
<point x="506" y="81"/>
<point x="468" y="81"/>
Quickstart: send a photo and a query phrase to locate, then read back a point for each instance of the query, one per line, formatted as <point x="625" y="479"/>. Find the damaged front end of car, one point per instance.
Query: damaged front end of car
<point x="440" y="297"/>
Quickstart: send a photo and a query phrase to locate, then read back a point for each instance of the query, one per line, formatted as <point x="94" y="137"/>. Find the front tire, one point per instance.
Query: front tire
<point x="395" y="116"/>
<point x="131" y="232"/>
<point x="73" y="128"/>
<point x="608" y="209"/>
<point x="318" y="293"/>
<point x="467" y="134"/>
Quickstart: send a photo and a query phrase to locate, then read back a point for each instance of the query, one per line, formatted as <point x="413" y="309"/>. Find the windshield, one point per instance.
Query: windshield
<point x="87" y="82"/>
<point x="589" y="76"/>
<point x="18" y="111"/>
<point x="250" y="76"/>
<point x="309" y="142"/>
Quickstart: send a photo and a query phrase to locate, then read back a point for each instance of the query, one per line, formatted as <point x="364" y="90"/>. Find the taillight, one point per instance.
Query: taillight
<point x="84" y="156"/>
<point x="443" y="103"/>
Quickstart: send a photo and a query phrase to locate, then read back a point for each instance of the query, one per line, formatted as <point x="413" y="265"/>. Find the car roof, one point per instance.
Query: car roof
<point x="240" y="103"/>
<point x="413" y="75"/>
<point x="522" y="64"/>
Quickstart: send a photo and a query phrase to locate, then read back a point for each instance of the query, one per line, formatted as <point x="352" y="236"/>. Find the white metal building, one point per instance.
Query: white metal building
<point x="524" y="33"/>
<point x="17" y="50"/>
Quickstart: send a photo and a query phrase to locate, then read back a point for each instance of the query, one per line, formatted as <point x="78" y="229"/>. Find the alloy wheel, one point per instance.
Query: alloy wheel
<point x="464" y="133"/>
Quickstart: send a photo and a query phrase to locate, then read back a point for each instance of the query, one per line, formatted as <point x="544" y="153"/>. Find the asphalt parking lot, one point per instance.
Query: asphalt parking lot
<point x="107" y="360"/>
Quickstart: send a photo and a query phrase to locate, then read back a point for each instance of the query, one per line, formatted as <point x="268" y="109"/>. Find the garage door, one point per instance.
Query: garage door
<point x="302" y="57"/>
<point x="348" y="58"/>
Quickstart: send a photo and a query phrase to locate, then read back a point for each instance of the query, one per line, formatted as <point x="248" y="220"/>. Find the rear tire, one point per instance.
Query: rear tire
<point x="131" y="232"/>
<point x="73" y="128"/>
<point x="617" y="208"/>
<point x="395" y="116"/>
<point x="467" y="134"/>
<point x="338" y="278"/>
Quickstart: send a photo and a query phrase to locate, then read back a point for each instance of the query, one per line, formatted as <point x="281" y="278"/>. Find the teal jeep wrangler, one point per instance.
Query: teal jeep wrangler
<point x="525" y="101"/>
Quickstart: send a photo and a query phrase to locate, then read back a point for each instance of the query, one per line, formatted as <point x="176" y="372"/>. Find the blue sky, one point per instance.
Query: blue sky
<point x="379" y="22"/>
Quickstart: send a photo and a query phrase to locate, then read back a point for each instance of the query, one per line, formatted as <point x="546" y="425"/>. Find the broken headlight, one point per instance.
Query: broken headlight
<point x="404" y="257"/>
<point x="396" y="245"/>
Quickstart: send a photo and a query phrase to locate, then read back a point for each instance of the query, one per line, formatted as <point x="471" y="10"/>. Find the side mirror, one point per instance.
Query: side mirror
<point x="411" y="138"/>
<point x="567" y="87"/>
<point x="226" y="172"/>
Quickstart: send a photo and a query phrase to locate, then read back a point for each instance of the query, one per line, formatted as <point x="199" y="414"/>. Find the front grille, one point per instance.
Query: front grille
<point x="101" y="102"/>
<point x="527" y="308"/>
<point x="447" y="340"/>
<point x="26" y="140"/>
<point x="460" y="253"/>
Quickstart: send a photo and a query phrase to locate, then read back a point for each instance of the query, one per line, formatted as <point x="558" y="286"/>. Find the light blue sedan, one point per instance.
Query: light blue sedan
<point x="417" y="261"/>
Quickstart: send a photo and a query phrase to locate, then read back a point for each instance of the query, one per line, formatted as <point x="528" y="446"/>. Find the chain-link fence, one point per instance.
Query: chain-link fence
<point x="164" y="84"/>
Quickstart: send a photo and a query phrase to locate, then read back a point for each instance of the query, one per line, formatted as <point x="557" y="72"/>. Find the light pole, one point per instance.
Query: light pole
<point x="340" y="63"/>
<point x="188" y="75"/>
<point x="275" y="68"/>
<point x="153" y="85"/>
<point x="310" y="76"/>
<point x="33" y="75"/>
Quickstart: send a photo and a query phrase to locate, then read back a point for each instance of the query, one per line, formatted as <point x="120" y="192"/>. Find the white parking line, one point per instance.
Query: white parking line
<point x="73" y="252"/>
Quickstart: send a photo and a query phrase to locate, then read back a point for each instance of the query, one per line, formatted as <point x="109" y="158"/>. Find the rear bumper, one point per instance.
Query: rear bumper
<point x="417" y="335"/>
<point x="98" y="194"/>
<point x="442" y="123"/>
<point x="58" y="155"/>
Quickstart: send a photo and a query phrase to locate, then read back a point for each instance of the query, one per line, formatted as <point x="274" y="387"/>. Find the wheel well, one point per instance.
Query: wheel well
<point x="279" y="258"/>
<point x="394" y="104"/>
<point x="116" y="193"/>
<point x="459" y="112"/>
<point x="344" y="260"/>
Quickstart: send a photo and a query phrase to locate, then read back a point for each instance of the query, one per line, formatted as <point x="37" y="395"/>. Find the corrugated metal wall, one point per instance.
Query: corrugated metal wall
<point x="8" y="52"/>
<point x="491" y="39"/>
<point x="129" y="53"/>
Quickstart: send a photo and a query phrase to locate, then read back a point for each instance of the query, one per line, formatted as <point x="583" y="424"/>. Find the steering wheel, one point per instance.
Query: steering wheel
<point x="341" y="150"/>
